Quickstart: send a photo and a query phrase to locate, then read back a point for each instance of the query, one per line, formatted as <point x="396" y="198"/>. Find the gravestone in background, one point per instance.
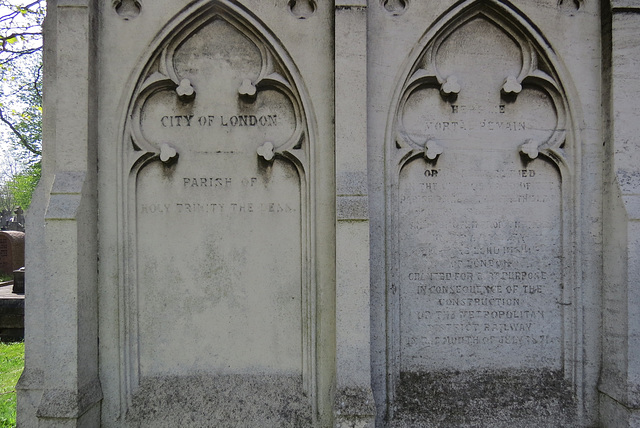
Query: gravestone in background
<point x="11" y="251"/>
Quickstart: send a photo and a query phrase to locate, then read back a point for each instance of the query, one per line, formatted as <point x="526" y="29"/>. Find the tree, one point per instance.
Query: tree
<point x="21" y="97"/>
<point x="22" y="185"/>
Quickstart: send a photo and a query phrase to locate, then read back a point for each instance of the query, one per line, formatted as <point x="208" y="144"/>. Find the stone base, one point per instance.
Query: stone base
<point x="614" y="414"/>
<point x="218" y="401"/>
<point x="29" y="389"/>
<point x="495" y="398"/>
<point x="11" y="315"/>
<point x="88" y="420"/>
<point x="354" y="408"/>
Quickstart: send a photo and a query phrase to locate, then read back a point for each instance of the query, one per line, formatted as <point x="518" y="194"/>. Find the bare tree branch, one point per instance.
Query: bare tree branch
<point x="21" y="74"/>
<point x="20" y="136"/>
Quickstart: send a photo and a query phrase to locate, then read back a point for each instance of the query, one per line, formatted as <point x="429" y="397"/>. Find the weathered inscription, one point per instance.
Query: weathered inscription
<point x="213" y="207"/>
<point x="482" y="124"/>
<point x="480" y="262"/>
<point x="480" y="293"/>
<point x="216" y="229"/>
<point x="216" y="214"/>
<point x="222" y="205"/>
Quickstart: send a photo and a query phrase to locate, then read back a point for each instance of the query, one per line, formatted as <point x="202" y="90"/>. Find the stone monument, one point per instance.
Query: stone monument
<point x="11" y="251"/>
<point x="297" y="213"/>
<point x="484" y="318"/>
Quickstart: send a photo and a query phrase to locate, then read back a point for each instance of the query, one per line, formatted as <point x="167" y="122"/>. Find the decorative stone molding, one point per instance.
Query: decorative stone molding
<point x="177" y="115"/>
<point x="481" y="116"/>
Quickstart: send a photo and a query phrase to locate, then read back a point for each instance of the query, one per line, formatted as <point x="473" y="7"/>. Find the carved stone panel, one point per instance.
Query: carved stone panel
<point x="480" y="237"/>
<point x="217" y="286"/>
<point x="484" y="285"/>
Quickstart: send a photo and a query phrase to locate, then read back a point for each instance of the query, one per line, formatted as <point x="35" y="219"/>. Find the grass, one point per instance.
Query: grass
<point x="11" y="365"/>
<point x="5" y="277"/>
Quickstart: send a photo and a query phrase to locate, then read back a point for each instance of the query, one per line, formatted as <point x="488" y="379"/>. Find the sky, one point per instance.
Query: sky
<point x="3" y="137"/>
<point x="3" y="153"/>
<point x="5" y="158"/>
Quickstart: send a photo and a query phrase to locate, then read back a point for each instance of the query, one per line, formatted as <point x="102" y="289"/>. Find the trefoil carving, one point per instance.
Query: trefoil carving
<point x="302" y="9"/>
<point x="511" y="87"/>
<point x="186" y="92"/>
<point x="432" y="150"/>
<point x="265" y="151"/>
<point x="168" y="154"/>
<point x="164" y="76"/>
<point x="530" y="148"/>
<point x="395" y="7"/>
<point x="450" y="88"/>
<point x="248" y="90"/>
<point x="127" y="9"/>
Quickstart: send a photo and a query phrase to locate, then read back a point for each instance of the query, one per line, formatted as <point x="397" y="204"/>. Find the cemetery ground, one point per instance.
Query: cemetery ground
<point x="11" y="365"/>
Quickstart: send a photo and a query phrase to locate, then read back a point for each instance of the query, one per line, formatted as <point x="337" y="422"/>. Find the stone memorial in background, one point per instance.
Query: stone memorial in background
<point x="5" y="217"/>
<point x="12" y="221"/>
<point x="11" y="251"/>
<point x="298" y="213"/>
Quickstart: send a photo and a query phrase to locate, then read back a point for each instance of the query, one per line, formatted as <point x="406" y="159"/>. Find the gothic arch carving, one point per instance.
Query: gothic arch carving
<point x="523" y="73"/>
<point x="537" y="70"/>
<point x="281" y="140"/>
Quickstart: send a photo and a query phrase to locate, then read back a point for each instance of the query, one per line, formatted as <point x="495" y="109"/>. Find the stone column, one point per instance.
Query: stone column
<point x="620" y="379"/>
<point x="60" y="385"/>
<point x="354" y="405"/>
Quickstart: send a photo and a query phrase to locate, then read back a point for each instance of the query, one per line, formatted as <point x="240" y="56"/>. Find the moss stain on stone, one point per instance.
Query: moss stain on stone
<point x="484" y="398"/>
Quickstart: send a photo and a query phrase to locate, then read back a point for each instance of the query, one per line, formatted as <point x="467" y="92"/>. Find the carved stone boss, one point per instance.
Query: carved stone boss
<point x="180" y="126"/>
<point x="463" y="147"/>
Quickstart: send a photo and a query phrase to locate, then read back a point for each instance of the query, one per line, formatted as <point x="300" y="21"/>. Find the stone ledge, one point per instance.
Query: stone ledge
<point x="614" y="414"/>
<point x="354" y="408"/>
<point x="341" y="4"/>
<point x="11" y="315"/>
<point x="220" y="400"/>
<point x="69" y="404"/>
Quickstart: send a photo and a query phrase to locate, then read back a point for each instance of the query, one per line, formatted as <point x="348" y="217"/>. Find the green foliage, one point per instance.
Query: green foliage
<point x="20" y="28"/>
<point x="6" y="198"/>
<point x="11" y="366"/>
<point x="22" y="185"/>
<point x="21" y="107"/>
<point x="20" y="99"/>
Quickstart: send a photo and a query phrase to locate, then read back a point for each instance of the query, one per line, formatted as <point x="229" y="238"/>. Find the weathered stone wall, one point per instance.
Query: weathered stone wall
<point x="300" y="213"/>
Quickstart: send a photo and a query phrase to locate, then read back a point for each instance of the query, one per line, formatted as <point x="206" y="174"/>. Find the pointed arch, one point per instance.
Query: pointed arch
<point x="168" y="76"/>
<point x="424" y="82"/>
